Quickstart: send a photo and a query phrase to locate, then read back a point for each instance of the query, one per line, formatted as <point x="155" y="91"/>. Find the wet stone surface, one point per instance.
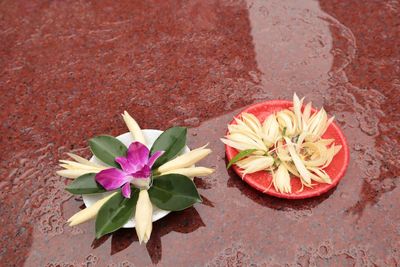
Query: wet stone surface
<point x="69" y="68"/>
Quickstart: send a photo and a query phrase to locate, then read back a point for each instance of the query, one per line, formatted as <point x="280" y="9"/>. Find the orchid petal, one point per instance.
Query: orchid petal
<point x="138" y="153"/>
<point x="144" y="173"/>
<point x="112" y="178"/>
<point x="126" y="190"/>
<point x="135" y="159"/>
<point x="154" y="157"/>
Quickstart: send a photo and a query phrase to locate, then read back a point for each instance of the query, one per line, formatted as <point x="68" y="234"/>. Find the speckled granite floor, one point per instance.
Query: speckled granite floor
<point x="69" y="68"/>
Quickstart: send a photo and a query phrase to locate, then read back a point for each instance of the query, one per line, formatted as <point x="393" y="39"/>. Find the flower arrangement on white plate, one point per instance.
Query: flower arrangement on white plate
<point x="135" y="178"/>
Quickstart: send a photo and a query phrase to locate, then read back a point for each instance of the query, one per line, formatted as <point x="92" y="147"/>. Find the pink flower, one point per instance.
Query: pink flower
<point x="136" y="169"/>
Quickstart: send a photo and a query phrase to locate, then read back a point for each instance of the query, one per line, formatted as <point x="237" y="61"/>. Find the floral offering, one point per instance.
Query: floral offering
<point x="135" y="179"/>
<point x="288" y="144"/>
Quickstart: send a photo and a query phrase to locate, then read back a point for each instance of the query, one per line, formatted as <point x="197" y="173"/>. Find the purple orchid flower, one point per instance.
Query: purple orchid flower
<point x="136" y="169"/>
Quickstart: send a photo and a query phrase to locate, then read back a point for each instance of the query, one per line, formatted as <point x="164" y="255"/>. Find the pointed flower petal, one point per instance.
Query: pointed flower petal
<point x="112" y="178"/>
<point x="126" y="190"/>
<point x="145" y="172"/>
<point x="136" y="157"/>
<point x="305" y="175"/>
<point x="154" y="157"/>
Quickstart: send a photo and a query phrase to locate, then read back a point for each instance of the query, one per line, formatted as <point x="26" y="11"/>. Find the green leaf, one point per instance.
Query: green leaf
<point x="239" y="156"/>
<point x="172" y="141"/>
<point x="173" y="192"/>
<point x="115" y="213"/>
<point x="85" y="184"/>
<point x="106" y="148"/>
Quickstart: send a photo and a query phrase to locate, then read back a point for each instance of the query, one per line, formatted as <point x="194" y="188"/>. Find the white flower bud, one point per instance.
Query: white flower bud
<point x="282" y="180"/>
<point x="287" y="120"/>
<point x="143" y="217"/>
<point x="185" y="160"/>
<point x="67" y="173"/>
<point x="191" y="172"/>
<point x="270" y="130"/>
<point x="88" y="213"/>
<point x="134" y="128"/>
<point x="255" y="163"/>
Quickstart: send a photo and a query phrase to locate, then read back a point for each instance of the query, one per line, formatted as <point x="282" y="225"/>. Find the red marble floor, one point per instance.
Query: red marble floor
<point x="69" y="68"/>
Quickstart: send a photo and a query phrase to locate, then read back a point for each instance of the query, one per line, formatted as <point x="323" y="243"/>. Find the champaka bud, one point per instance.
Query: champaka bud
<point x="133" y="127"/>
<point x="282" y="180"/>
<point x="185" y="160"/>
<point x="143" y="216"/>
<point x="191" y="172"/>
<point x="89" y="212"/>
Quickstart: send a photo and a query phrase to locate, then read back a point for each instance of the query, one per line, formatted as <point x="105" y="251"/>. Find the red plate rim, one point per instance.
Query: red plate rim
<point x="336" y="169"/>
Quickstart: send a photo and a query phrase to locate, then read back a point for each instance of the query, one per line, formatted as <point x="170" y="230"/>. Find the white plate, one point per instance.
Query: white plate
<point x="126" y="139"/>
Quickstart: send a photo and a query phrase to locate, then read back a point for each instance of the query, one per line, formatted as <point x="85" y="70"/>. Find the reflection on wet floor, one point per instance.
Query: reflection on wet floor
<point x="198" y="64"/>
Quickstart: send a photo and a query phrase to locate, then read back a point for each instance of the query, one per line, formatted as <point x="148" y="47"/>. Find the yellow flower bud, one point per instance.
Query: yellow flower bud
<point x="255" y="163"/>
<point x="287" y="120"/>
<point x="281" y="179"/>
<point x="297" y="104"/>
<point x="133" y="127"/>
<point x="88" y="213"/>
<point x="75" y="169"/>
<point x="185" y="160"/>
<point x="143" y="217"/>
<point x="67" y="173"/>
<point x="82" y="160"/>
<point x="256" y="143"/>
<point x="80" y="166"/>
<point x="252" y="122"/>
<point x="270" y="130"/>
<point x="191" y="172"/>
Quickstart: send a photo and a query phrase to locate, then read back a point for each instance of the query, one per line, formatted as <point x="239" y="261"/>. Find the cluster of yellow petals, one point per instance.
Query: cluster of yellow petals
<point x="287" y="142"/>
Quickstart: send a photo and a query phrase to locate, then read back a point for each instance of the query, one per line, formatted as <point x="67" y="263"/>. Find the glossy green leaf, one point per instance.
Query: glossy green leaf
<point x="85" y="184"/>
<point x="106" y="148"/>
<point x="172" y="141"/>
<point x="173" y="192"/>
<point x="115" y="213"/>
<point x="242" y="154"/>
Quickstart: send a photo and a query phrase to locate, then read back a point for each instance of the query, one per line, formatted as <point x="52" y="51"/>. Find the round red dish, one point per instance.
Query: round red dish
<point x="262" y="180"/>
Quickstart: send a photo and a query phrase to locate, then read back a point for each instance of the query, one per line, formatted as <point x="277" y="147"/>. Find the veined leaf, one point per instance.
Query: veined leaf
<point x="173" y="192"/>
<point x="85" y="184"/>
<point x="242" y="154"/>
<point x="106" y="148"/>
<point x="115" y="213"/>
<point x="172" y="141"/>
